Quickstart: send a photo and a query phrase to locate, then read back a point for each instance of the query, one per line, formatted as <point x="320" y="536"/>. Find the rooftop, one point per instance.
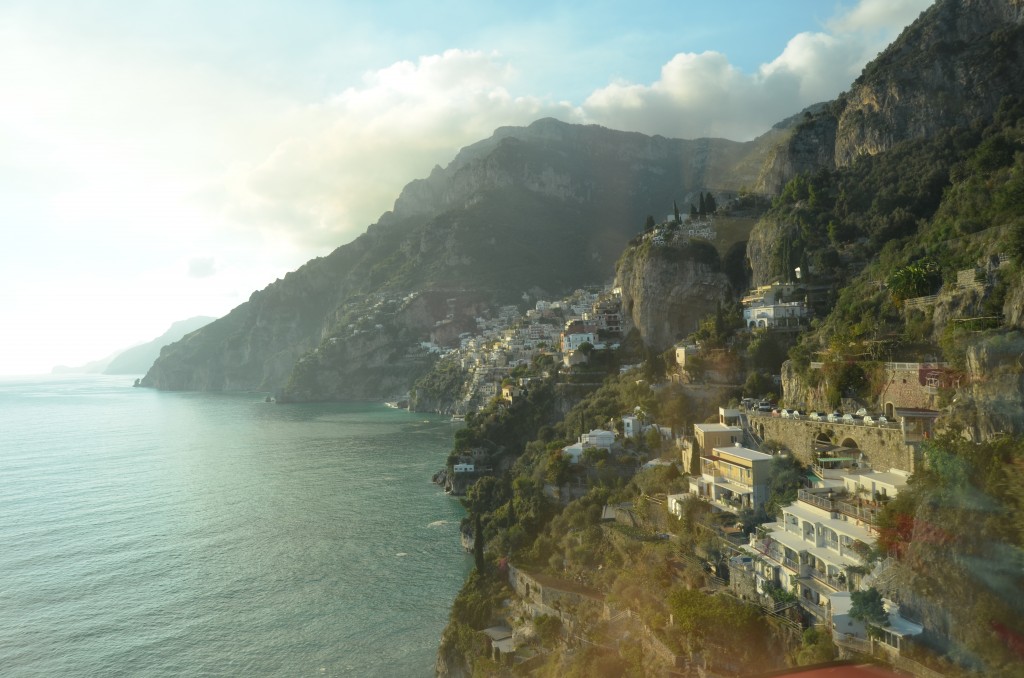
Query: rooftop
<point x="742" y="452"/>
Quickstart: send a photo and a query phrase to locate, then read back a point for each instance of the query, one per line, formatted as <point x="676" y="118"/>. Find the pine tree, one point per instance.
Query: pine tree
<point x="702" y="209"/>
<point x="710" y="204"/>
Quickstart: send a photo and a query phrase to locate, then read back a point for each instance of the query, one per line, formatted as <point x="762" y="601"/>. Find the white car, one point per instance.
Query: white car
<point x="834" y="417"/>
<point x="785" y="414"/>
<point x="868" y="421"/>
<point x="817" y="416"/>
<point x="862" y="412"/>
<point x="882" y="421"/>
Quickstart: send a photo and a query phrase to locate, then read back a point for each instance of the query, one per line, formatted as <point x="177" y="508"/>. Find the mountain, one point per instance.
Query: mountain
<point x="138" y="359"/>
<point x="546" y="208"/>
<point x="950" y="68"/>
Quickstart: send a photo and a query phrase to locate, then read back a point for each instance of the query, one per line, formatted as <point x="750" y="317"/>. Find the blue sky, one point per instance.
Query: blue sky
<point x="164" y="159"/>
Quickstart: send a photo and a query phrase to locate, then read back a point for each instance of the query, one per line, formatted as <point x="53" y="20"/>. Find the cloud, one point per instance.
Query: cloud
<point x="202" y="267"/>
<point x="351" y="155"/>
<point x="347" y="157"/>
<point x="704" y="95"/>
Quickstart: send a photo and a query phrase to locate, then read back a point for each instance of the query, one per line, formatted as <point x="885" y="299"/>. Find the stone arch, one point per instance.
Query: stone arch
<point x="890" y="412"/>
<point x="822" y="438"/>
<point x="849" y="443"/>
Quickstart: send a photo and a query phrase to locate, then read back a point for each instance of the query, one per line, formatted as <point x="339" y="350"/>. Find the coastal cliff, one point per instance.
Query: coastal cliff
<point x="668" y="287"/>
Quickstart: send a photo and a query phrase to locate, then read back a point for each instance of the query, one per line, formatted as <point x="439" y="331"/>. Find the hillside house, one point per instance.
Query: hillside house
<point x="710" y="436"/>
<point x="595" y="439"/>
<point x="733" y="478"/>
<point x="775" y="306"/>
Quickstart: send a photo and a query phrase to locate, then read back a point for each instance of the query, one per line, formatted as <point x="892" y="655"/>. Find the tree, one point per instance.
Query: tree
<point x="867" y="606"/>
<point x="702" y="209"/>
<point x="586" y="348"/>
<point x="710" y="204"/>
<point x="653" y="439"/>
<point x="649" y="224"/>
<point x="675" y="209"/>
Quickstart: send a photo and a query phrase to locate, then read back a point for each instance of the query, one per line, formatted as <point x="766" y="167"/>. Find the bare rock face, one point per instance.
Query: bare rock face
<point x="668" y="288"/>
<point x="950" y="68"/>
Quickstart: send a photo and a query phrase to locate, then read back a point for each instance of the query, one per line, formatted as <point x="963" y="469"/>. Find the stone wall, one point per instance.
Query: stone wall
<point x="883" y="448"/>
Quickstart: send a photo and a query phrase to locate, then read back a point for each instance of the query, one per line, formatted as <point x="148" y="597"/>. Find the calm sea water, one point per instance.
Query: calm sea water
<point x="176" y="534"/>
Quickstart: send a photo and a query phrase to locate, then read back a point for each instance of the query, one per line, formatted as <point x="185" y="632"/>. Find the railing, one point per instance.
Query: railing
<point x="815" y="500"/>
<point x="862" y="645"/>
<point x="815" y="609"/>
<point x="832" y="582"/>
<point x="791" y="564"/>
<point x="866" y="513"/>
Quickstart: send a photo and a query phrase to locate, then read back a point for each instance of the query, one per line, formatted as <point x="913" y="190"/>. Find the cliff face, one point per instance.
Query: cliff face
<point x="950" y="68"/>
<point x="549" y="206"/>
<point x="667" y="289"/>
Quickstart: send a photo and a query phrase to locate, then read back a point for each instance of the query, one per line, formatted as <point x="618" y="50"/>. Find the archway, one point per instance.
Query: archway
<point x="849" y="443"/>
<point x="822" y="439"/>
<point x="890" y="412"/>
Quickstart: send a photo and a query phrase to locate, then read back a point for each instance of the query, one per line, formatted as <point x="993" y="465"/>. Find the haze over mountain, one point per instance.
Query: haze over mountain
<point x="138" y="359"/>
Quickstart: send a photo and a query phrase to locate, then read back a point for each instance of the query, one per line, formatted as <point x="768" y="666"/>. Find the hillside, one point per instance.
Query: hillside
<point x="545" y="208"/>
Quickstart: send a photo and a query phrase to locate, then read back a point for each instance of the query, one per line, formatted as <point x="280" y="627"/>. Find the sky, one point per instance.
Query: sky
<point x="164" y="159"/>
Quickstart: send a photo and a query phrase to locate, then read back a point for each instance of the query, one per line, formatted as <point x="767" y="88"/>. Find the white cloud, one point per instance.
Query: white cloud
<point x="351" y="155"/>
<point x="202" y="267"/>
<point x="704" y="95"/>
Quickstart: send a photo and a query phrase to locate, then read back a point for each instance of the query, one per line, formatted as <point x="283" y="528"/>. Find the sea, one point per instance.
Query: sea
<point x="147" y="533"/>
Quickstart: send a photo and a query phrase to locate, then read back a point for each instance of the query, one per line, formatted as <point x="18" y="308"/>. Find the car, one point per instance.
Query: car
<point x="818" y="416"/>
<point x="834" y="417"/>
<point x="862" y="412"/>
<point x="868" y="421"/>
<point x="882" y="421"/>
<point x="785" y="414"/>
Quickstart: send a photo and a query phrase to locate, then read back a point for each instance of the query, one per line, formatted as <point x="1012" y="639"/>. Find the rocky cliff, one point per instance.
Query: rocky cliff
<point x="667" y="288"/>
<point x="950" y="68"/>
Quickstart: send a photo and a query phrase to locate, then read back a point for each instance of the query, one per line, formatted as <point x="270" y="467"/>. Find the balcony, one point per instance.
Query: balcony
<point x="867" y="513"/>
<point x="831" y="582"/>
<point x="816" y="500"/>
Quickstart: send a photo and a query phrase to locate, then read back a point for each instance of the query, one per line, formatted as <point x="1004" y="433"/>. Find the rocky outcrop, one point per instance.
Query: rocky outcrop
<point x="950" y="68"/>
<point x="668" y="288"/>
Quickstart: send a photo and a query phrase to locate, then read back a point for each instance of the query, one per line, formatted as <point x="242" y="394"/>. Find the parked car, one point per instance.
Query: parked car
<point x="882" y="421"/>
<point x="862" y="412"/>
<point x="818" y="416"/>
<point x="868" y="420"/>
<point x="784" y="413"/>
<point x="834" y="417"/>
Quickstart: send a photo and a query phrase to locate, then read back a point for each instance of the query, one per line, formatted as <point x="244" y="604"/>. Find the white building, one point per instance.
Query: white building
<point x="767" y="307"/>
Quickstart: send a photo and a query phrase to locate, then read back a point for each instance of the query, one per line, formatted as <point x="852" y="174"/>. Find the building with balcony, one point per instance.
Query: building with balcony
<point x="733" y="478"/>
<point x="775" y="306"/>
<point x="810" y="549"/>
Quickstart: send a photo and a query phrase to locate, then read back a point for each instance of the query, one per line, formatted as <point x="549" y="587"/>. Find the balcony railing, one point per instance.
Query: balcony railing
<point x="791" y="564"/>
<point x="832" y="582"/>
<point x="815" y="500"/>
<point x="866" y="513"/>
